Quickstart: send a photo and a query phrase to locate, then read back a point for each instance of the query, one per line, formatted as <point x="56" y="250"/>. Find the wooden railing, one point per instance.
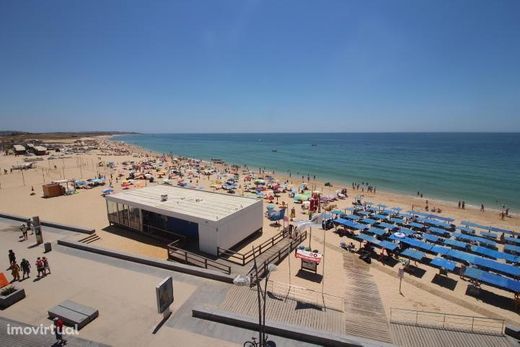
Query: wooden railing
<point x="181" y="255"/>
<point x="275" y="258"/>
<point x="447" y="321"/>
<point x="244" y="258"/>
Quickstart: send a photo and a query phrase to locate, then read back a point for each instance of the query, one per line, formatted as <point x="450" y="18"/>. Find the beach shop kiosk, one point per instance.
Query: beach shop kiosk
<point x="208" y="219"/>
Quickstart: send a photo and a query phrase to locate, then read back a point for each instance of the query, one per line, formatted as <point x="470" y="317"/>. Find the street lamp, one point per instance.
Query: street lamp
<point x="261" y="296"/>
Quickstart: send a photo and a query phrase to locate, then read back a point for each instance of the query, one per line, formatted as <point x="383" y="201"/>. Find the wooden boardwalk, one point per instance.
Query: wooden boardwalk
<point x="238" y="269"/>
<point x="243" y="300"/>
<point x="412" y="336"/>
<point x="364" y="312"/>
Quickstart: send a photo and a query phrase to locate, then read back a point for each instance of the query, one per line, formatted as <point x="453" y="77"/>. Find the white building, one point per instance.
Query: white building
<point x="211" y="219"/>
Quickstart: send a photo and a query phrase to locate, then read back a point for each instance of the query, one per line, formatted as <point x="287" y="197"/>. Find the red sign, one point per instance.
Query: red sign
<point x="308" y="256"/>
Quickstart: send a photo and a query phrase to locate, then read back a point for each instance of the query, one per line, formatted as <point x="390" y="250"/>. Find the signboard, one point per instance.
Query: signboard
<point x="309" y="265"/>
<point x="400" y="273"/>
<point x="164" y="294"/>
<point x="308" y="256"/>
<point x="37" y="230"/>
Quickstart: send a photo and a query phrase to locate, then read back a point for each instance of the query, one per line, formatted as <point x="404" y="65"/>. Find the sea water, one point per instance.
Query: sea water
<point x="475" y="167"/>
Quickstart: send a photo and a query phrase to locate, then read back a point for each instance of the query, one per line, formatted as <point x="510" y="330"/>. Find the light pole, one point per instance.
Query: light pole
<point x="261" y="295"/>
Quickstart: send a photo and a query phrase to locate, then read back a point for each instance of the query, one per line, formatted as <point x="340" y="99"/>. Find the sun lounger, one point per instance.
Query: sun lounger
<point x="74" y="314"/>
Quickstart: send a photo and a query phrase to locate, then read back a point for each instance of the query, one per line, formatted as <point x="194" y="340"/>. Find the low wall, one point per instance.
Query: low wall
<point x="284" y="330"/>
<point x="192" y="270"/>
<point x="49" y="224"/>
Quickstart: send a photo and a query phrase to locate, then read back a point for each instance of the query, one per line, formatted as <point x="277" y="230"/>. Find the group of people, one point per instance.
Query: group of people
<point x="42" y="266"/>
<point x="364" y="186"/>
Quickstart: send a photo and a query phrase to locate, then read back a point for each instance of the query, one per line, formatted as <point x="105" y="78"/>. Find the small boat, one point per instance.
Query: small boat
<point x="314" y="145"/>
<point x="275" y="150"/>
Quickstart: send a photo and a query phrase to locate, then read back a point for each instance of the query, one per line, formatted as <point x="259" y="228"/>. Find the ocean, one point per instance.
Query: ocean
<point x="475" y="167"/>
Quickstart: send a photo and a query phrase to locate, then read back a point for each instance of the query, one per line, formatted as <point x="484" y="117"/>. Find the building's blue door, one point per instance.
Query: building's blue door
<point x="183" y="227"/>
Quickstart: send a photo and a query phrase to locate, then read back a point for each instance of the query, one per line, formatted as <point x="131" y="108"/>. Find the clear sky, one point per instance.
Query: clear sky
<point x="234" y="66"/>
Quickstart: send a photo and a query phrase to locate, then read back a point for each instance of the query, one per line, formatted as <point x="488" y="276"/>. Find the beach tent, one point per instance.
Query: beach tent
<point x="491" y="253"/>
<point x="413" y="254"/>
<point x="455" y="243"/>
<point x="417" y="244"/>
<point x="349" y="224"/>
<point x="443" y="264"/>
<point x="376" y="231"/>
<point x="493" y="279"/>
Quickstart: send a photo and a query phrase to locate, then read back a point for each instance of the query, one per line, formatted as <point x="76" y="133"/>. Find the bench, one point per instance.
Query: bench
<point x="73" y="314"/>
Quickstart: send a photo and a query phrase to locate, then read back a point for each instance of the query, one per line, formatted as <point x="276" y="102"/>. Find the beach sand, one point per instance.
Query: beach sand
<point x="87" y="208"/>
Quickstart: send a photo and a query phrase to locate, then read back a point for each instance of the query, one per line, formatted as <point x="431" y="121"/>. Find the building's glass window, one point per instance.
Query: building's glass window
<point x="112" y="212"/>
<point x="135" y="218"/>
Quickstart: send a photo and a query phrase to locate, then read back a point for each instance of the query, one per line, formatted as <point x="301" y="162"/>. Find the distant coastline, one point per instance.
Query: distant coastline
<point x="13" y="135"/>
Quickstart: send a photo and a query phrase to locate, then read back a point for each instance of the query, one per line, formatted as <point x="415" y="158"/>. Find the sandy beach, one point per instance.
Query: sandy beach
<point x="21" y="194"/>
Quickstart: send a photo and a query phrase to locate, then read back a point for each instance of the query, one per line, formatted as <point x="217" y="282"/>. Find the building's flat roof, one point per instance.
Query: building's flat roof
<point x="19" y="148"/>
<point x="191" y="202"/>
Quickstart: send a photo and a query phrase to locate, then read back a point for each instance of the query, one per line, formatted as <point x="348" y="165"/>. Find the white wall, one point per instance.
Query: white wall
<point x="208" y="237"/>
<point x="240" y="225"/>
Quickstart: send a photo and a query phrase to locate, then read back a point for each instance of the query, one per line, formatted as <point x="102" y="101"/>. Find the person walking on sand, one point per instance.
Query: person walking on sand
<point x="39" y="267"/>
<point x="58" y="331"/>
<point x="12" y="257"/>
<point x="461" y="271"/>
<point x="463" y="204"/>
<point x="23" y="228"/>
<point x="459" y="204"/>
<point x="15" y="271"/>
<point x="29" y="225"/>
<point x="46" y="267"/>
<point x="26" y="268"/>
<point x="481" y="207"/>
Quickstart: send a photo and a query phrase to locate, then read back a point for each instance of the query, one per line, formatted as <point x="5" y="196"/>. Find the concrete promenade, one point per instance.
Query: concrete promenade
<point x="122" y="291"/>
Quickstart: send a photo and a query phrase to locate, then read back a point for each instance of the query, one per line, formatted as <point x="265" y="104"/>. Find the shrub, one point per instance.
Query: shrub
<point x="8" y="290"/>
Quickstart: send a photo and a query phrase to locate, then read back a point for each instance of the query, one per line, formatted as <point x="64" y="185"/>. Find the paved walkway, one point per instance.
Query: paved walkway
<point x="243" y="300"/>
<point x="124" y="294"/>
<point x="364" y="312"/>
<point x="8" y="337"/>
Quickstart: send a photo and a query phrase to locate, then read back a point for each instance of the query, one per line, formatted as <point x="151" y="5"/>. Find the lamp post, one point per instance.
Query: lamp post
<point x="261" y="295"/>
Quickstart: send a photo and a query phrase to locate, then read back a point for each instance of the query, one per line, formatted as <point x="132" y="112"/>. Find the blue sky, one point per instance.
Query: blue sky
<point x="234" y="66"/>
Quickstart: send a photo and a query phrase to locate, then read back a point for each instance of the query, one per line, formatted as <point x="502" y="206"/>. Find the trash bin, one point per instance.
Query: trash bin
<point x="47" y="246"/>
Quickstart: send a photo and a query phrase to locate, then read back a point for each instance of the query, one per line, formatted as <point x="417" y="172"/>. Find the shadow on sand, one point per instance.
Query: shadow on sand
<point x="445" y="282"/>
<point x="309" y="276"/>
<point x="492" y="299"/>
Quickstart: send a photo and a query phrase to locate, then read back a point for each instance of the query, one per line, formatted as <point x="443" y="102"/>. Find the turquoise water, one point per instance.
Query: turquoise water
<point x="475" y="167"/>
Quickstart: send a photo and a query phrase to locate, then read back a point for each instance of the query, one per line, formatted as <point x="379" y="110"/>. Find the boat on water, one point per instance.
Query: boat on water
<point x="314" y="145"/>
<point x="275" y="150"/>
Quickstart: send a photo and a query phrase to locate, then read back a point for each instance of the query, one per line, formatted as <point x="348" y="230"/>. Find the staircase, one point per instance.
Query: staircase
<point x="89" y="239"/>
